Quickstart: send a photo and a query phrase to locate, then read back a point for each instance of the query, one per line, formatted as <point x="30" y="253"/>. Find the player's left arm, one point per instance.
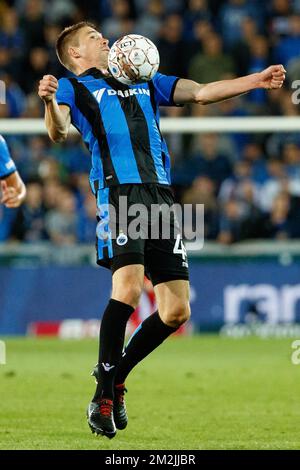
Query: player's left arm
<point x="13" y="191"/>
<point x="188" y="91"/>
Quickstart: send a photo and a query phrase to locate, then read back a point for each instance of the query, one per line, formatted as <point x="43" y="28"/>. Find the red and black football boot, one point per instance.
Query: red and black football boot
<point x="119" y="406"/>
<point x="100" y="417"/>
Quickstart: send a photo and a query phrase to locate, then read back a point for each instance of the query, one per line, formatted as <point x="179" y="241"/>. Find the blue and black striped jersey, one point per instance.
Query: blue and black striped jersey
<point x="7" y="166"/>
<point x="120" y="126"/>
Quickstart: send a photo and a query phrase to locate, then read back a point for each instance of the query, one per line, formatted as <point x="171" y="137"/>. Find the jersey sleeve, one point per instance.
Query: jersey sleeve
<point x="65" y="93"/>
<point x="7" y="166"/>
<point x="164" y="86"/>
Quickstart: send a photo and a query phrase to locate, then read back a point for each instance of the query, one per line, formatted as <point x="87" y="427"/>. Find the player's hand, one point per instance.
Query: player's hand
<point x="272" y="78"/>
<point x="47" y="88"/>
<point x="128" y="69"/>
<point x="11" y="197"/>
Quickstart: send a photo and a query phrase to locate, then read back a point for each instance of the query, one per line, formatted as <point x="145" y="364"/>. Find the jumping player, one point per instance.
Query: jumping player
<point x="120" y="126"/>
<point x="12" y="187"/>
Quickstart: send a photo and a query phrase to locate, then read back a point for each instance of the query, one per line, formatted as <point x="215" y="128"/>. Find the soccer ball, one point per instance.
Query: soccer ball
<point x="133" y="59"/>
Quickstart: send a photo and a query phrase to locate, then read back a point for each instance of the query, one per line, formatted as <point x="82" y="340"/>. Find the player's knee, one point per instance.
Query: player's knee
<point x="177" y="314"/>
<point x="128" y="294"/>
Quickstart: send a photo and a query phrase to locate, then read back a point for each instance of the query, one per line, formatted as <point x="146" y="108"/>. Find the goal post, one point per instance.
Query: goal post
<point x="186" y="125"/>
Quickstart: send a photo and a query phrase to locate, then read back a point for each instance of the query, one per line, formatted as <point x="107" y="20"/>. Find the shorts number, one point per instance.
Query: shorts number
<point x="179" y="248"/>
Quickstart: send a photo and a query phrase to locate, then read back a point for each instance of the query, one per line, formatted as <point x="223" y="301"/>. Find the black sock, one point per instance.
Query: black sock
<point x="112" y="333"/>
<point x="150" y="334"/>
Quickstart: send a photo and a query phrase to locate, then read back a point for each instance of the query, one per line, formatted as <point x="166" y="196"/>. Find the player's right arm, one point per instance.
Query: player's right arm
<point x="57" y="116"/>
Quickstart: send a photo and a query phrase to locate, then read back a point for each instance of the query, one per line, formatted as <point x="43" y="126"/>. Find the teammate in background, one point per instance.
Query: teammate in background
<point x="12" y="187"/>
<point x="129" y="158"/>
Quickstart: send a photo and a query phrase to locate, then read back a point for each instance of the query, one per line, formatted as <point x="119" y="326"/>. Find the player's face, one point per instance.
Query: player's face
<point x="93" y="46"/>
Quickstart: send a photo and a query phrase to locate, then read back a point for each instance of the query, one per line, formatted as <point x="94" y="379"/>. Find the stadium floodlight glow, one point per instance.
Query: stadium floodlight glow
<point x="188" y="125"/>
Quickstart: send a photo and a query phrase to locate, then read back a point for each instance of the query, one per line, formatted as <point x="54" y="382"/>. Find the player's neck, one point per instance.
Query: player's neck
<point x="96" y="72"/>
<point x="102" y="66"/>
<point x="104" y="71"/>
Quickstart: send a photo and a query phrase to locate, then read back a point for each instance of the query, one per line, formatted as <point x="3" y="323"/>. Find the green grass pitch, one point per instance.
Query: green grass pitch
<point x="202" y="392"/>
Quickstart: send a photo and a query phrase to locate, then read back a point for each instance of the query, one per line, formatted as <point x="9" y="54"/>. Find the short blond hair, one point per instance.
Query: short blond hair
<point x="64" y="39"/>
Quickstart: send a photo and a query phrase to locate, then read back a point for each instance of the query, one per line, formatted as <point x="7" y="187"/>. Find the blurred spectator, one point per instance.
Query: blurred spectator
<point x="61" y="222"/>
<point x="280" y="180"/>
<point x="232" y="15"/>
<point x="278" y="225"/>
<point x="176" y="141"/>
<point x="60" y="10"/>
<point x="208" y="162"/>
<point x="172" y="47"/>
<point x="239" y="196"/>
<point x="32" y="153"/>
<point x="291" y="157"/>
<point x="12" y="39"/>
<point x="260" y="59"/>
<point x="246" y="196"/>
<point x="280" y="11"/>
<point x="173" y="6"/>
<point x="120" y="22"/>
<point x="50" y="170"/>
<point x="81" y="184"/>
<point x="287" y="50"/>
<point x="236" y="108"/>
<point x="149" y="22"/>
<point x="202" y="191"/>
<point x="33" y="23"/>
<point x="231" y="188"/>
<point x="30" y="221"/>
<point x="38" y="66"/>
<point x="212" y="64"/>
<point x="87" y="220"/>
<point x="241" y="50"/>
<point x="73" y="155"/>
<point x="276" y="183"/>
<point x="15" y="97"/>
<point x="11" y="36"/>
<point x="7" y="218"/>
<point x="253" y="154"/>
<point x="230" y="222"/>
<point x="5" y="59"/>
<point x="197" y="11"/>
<point x="51" y="193"/>
<point x="51" y="33"/>
<point x="201" y="30"/>
<point x="34" y="108"/>
<point x="93" y="10"/>
<point x="252" y="216"/>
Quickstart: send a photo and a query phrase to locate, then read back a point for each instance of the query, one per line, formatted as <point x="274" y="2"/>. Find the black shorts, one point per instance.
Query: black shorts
<point x="122" y="241"/>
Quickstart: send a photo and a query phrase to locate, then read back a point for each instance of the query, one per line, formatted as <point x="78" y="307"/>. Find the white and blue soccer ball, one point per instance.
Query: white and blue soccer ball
<point x="133" y="59"/>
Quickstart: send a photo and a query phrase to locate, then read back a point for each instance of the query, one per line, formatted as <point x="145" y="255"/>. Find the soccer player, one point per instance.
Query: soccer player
<point x="120" y="126"/>
<point x="12" y="187"/>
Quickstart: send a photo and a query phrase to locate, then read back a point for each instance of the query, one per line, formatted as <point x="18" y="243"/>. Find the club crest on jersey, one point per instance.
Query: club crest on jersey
<point x="122" y="239"/>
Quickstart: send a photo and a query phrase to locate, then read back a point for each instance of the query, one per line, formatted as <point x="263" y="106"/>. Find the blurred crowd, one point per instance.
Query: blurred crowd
<point x="249" y="183"/>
